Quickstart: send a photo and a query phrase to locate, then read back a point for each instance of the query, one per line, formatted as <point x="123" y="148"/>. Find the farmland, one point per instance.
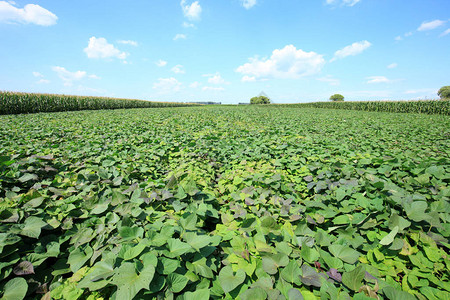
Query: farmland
<point x="254" y="202"/>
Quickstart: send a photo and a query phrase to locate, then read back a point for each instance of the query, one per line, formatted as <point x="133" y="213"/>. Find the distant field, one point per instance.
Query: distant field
<point x="441" y="107"/>
<point x="223" y="202"/>
<point x="23" y="103"/>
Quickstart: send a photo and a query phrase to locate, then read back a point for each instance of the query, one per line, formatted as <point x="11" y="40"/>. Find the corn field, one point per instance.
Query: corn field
<point x="20" y="103"/>
<point x="441" y="107"/>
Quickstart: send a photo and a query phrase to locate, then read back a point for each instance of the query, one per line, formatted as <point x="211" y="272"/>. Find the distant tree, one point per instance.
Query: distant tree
<point x="260" y="100"/>
<point x="254" y="100"/>
<point x="444" y="92"/>
<point x="337" y="97"/>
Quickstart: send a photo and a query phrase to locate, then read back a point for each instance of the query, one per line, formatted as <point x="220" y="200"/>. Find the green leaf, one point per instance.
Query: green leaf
<point x="197" y="295"/>
<point x="394" y="294"/>
<point x="332" y="262"/>
<point x="98" y="273"/>
<point x="128" y="252"/>
<point x="197" y="241"/>
<point x="15" y="289"/>
<point x="131" y="233"/>
<point x="345" y="253"/>
<point x="256" y="293"/>
<point x="228" y="280"/>
<point x="388" y="239"/>
<point x="200" y="267"/>
<point x="176" y="248"/>
<point x="32" y="227"/>
<point x="176" y="282"/>
<point x="271" y="263"/>
<point x="416" y="211"/>
<point x="167" y="266"/>
<point x="78" y="257"/>
<point x="129" y="283"/>
<point x="353" y="279"/>
<point x="291" y="273"/>
<point x="310" y="276"/>
<point x="309" y="254"/>
<point x="295" y="294"/>
<point x="27" y="177"/>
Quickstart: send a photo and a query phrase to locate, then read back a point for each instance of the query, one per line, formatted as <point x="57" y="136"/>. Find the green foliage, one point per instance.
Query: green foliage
<point x="260" y="100"/>
<point x="20" y="103"/>
<point x="444" y="92"/>
<point x="267" y="202"/>
<point x="419" y="107"/>
<point x="337" y="97"/>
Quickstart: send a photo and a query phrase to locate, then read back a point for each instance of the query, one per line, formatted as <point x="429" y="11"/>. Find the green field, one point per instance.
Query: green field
<point x="224" y="202"/>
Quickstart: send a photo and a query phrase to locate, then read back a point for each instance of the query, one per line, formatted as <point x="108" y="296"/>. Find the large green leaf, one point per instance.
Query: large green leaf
<point x="129" y="282"/>
<point x="177" y="248"/>
<point x="15" y="289"/>
<point x="229" y="280"/>
<point x="197" y="295"/>
<point x="353" y="279"/>
<point x="176" y="282"/>
<point x="32" y="227"/>
<point x="345" y="253"/>
<point x="197" y="241"/>
<point x="78" y="257"/>
<point x="388" y="239"/>
<point x="416" y="211"/>
<point x="271" y="262"/>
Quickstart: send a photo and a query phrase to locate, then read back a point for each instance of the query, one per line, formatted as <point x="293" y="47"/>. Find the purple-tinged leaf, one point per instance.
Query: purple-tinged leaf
<point x="334" y="274"/>
<point x="24" y="268"/>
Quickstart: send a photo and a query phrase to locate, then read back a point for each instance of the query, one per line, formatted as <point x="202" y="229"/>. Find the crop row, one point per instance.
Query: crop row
<point x="420" y="107"/>
<point x="19" y="103"/>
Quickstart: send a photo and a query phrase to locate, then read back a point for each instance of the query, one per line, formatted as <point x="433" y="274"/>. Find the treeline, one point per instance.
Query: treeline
<point x="20" y="103"/>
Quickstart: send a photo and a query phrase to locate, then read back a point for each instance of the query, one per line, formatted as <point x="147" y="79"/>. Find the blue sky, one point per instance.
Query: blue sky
<point x="227" y="50"/>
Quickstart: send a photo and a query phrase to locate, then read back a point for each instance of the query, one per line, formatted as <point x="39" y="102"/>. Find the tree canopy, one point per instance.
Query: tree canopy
<point x="260" y="100"/>
<point x="444" y="92"/>
<point x="337" y="97"/>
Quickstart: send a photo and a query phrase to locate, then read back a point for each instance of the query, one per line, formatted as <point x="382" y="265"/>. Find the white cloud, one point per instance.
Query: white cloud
<point x="195" y="84"/>
<point x="43" y="81"/>
<point x="378" y="79"/>
<point x="94" y="77"/>
<point x="445" y="33"/>
<point x="128" y="42"/>
<point x="213" y="88"/>
<point x="191" y="11"/>
<point x="188" y="25"/>
<point x="408" y="34"/>
<point x="37" y="74"/>
<point x="69" y="77"/>
<point x="179" y="36"/>
<point x="178" y="69"/>
<point x="100" y="48"/>
<point x="284" y="63"/>
<point x="430" y="25"/>
<point x="167" y="85"/>
<point x="342" y="2"/>
<point x="329" y="79"/>
<point x="161" y="63"/>
<point x="215" y="79"/>
<point x="247" y="78"/>
<point x="31" y="13"/>
<point x="351" y="50"/>
<point x="248" y="3"/>
<point x="392" y="66"/>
